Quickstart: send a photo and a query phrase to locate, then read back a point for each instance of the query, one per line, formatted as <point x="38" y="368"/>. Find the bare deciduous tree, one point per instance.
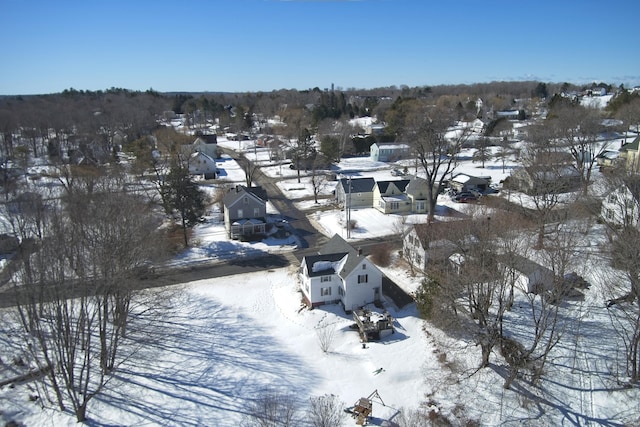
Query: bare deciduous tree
<point x="73" y="284"/>
<point x="326" y="411"/>
<point x="427" y="131"/>
<point x="272" y="409"/>
<point x="326" y="335"/>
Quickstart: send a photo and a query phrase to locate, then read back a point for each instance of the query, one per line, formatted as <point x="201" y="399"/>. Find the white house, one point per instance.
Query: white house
<point x="390" y="196"/>
<point x="388" y="152"/>
<point x="202" y="164"/>
<point x="529" y="275"/>
<point x="340" y="274"/>
<point x="621" y="207"/>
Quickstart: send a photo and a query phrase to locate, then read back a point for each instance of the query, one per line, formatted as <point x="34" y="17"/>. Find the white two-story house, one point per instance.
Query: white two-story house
<point x="340" y="274"/>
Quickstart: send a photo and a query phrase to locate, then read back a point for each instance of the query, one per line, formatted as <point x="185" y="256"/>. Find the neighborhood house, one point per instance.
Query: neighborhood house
<point x="425" y="244"/>
<point x="340" y="274"/>
<point x="388" y="152"/>
<point x="245" y="211"/>
<point x="355" y="192"/>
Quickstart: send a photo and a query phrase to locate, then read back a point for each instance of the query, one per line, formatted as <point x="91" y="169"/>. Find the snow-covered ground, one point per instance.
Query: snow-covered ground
<point x="228" y="342"/>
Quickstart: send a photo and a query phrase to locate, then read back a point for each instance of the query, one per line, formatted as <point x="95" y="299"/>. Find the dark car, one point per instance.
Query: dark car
<point x="465" y="197"/>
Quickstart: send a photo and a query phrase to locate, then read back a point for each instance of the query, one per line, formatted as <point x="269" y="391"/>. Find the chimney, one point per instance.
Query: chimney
<point x="359" y="251"/>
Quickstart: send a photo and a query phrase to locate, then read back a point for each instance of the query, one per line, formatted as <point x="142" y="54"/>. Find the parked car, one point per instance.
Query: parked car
<point x="465" y="197"/>
<point x="397" y="172"/>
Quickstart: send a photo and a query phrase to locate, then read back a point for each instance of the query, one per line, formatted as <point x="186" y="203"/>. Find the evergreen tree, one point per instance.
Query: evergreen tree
<point x="184" y="198"/>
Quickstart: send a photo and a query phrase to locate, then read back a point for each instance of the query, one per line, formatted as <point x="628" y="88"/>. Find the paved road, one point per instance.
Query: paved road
<point x="175" y="275"/>
<point x="310" y="239"/>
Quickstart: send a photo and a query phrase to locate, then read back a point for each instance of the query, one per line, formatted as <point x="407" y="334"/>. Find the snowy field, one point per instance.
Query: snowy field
<point x="228" y="341"/>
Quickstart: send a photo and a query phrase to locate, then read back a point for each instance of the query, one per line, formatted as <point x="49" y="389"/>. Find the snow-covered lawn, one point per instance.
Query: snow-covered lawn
<point x="228" y="341"/>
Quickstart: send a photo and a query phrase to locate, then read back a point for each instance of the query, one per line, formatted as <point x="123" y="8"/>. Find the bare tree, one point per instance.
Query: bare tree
<point x="504" y="152"/>
<point x="623" y="279"/>
<point x="630" y="115"/>
<point x="578" y="130"/>
<point x="299" y="137"/>
<point x="272" y="409"/>
<point x="326" y="411"/>
<point x="550" y="176"/>
<point x="74" y="285"/>
<point x="250" y="170"/>
<point x="318" y="180"/>
<point x="326" y="335"/>
<point x="427" y="129"/>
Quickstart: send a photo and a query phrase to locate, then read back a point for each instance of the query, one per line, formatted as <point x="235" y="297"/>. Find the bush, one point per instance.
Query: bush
<point x="381" y="254"/>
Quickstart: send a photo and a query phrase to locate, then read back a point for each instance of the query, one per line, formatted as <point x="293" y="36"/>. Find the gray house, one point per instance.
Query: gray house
<point x="425" y="244"/>
<point x="357" y="191"/>
<point x="545" y="179"/>
<point x="245" y="212"/>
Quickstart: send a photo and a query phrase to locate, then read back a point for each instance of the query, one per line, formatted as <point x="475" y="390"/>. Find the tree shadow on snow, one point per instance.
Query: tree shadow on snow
<point x="206" y="366"/>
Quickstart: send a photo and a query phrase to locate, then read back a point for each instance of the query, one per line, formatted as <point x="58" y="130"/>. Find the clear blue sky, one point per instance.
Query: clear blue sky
<point x="264" y="45"/>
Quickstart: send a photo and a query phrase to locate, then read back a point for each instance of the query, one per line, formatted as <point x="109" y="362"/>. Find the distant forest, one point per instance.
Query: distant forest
<point x="86" y="115"/>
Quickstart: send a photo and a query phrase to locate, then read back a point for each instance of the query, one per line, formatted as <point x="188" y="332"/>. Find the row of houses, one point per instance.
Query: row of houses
<point x="399" y="196"/>
<point x="341" y="274"/>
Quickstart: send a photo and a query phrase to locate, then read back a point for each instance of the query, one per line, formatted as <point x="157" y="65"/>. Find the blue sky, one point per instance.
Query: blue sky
<point x="264" y="45"/>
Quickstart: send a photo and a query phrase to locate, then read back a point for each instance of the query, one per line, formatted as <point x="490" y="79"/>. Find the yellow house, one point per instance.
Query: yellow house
<point x="629" y="155"/>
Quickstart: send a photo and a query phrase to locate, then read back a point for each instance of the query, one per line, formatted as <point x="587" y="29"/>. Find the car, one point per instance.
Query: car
<point x="397" y="172"/>
<point x="465" y="197"/>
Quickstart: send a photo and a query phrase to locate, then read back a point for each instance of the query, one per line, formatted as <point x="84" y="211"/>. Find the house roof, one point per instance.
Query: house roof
<point x="463" y="178"/>
<point x="336" y="249"/>
<point x="207" y="139"/>
<point x="323" y="265"/>
<point x="430" y="232"/>
<point x="392" y="145"/>
<point x="400" y="184"/>
<point x="631" y="146"/>
<point x="236" y="193"/>
<point x="416" y="184"/>
<point x="205" y="156"/>
<point x="358" y="185"/>
<point x="525" y="265"/>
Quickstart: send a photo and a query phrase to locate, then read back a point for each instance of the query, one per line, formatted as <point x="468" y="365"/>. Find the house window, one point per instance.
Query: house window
<point x="325" y="278"/>
<point x="394" y="206"/>
<point x="246" y="200"/>
<point x="610" y="214"/>
<point x="341" y="291"/>
<point x="256" y="212"/>
<point x="240" y="213"/>
<point x="420" y="205"/>
<point x="363" y="278"/>
<point x="325" y="292"/>
<point x="364" y="266"/>
<point x="612" y="198"/>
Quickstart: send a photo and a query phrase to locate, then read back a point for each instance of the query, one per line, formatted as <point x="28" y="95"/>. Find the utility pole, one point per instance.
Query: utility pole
<point x="349" y="209"/>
